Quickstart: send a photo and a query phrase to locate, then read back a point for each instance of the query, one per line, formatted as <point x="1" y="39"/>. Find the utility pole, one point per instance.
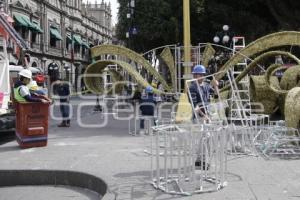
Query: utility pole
<point x="187" y="38"/>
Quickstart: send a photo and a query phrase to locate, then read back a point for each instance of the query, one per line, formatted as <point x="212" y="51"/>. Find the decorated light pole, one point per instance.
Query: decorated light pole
<point x="187" y="38"/>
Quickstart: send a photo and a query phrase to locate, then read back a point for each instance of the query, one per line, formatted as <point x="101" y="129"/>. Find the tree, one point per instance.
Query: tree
<point x="159" y="22"/>
<point x="154" y="22"/>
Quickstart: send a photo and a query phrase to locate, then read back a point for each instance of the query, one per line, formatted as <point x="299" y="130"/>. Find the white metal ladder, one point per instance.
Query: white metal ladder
<point x="242" y="89"/>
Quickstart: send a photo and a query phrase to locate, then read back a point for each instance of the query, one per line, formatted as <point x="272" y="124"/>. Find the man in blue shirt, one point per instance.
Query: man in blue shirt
<point x="201" y="91"/>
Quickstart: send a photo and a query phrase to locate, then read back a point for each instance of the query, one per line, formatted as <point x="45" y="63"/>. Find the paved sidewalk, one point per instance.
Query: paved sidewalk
<point x="119" y="159"/>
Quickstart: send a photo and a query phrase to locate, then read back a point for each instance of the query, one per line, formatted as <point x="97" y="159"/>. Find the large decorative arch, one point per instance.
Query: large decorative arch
<point x="291" y="38"/>
<point x="168" y="58"/>
<point x="122" y="51"/>
<point x="254" y="63"/>
<point x="92" y="77"/>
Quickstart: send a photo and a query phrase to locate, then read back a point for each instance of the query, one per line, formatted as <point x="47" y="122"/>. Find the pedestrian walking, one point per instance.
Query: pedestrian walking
<point x="63" y="91"/>
<point x="98" y="107"/>
<point x="147" y="107"/>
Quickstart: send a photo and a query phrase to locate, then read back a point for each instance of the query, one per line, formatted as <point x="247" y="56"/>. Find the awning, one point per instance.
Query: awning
<point x="85" y="44"/>
<point x="24" y="21"/>
<point x="37" y="28"/>
<point x="9" y="29"/>
<point x="29" y="23"/>
<point x="77" y="39"/>
<point x="54" y="33"/>
<point x="20" y="21"/>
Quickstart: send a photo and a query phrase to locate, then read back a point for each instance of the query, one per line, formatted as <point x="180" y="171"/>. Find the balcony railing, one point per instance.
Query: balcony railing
<point x="67" y="53"/>
<point x="55" y="51"/>
<point x="77" y="56"/>
<point x="35" y="46"/>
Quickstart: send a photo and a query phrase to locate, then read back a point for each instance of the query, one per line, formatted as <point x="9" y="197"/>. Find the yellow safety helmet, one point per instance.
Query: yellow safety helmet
<point x="33" y="85"/>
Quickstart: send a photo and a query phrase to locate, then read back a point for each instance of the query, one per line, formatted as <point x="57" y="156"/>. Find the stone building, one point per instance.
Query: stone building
<point x="60" y="32"/>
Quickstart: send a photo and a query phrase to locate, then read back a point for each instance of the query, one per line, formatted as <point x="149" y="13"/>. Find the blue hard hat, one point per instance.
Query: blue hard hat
<point x="149" y="89"/>
<point x="199" y="69"/>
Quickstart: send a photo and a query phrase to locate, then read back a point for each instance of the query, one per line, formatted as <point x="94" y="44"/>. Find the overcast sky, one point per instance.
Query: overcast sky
<point x="114" y="7"/>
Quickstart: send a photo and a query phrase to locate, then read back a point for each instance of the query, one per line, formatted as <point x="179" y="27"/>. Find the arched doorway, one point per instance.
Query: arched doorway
<point x="34" y="64"/>
<point x="53" y="71"/>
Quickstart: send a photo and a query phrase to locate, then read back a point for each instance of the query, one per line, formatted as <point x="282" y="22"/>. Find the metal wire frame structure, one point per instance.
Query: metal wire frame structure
<point x="215" y="108"/>
<point x="176" y="148"/>
<point x="240" y="137"/>
<point x="197" y="57"/>
<point x="276" y="141"/>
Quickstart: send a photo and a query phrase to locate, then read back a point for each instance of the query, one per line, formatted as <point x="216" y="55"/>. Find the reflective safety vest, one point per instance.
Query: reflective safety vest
<point x="17" y="95"/>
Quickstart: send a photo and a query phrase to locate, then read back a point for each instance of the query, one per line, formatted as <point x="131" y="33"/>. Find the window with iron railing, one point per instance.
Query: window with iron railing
<point x="24" y="32"/>
<point x="34" y="37"/>
<point x="54" y="43"/>
<point x="35" y="45"/>
<point x="84" y="50"/>
<point x="68" y="46"/>
<point x="53" y="50"/>
<point x="77" y="48"/>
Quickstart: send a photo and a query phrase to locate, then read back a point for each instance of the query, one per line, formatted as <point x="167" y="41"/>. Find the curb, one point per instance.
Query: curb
<point x="11" y="178"/>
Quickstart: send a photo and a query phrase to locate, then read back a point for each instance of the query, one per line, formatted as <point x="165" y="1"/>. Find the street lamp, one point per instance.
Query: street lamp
<point x="130" y="15"/>
<point x="216" y="39"/>
<point x="67" y="71"/>
<point x="225" y="27"/>
<point x="225" y="36"/>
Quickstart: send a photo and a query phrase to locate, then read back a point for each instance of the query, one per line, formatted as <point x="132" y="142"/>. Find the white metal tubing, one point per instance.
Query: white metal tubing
<point x="157" y="160"/>
<point x="151" y="157"/>
<point x="165" y="159"/>
<point x="204" y="104"/>
<point x="184" y="142"/>
<point x="236" y="97"/>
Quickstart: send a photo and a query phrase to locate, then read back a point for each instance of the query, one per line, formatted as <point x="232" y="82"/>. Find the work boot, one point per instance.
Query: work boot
<point x="98" y="108"/>
<point x="62" y="124"/>
<point x="202" y="165"/>
<point x="68" y="123"/>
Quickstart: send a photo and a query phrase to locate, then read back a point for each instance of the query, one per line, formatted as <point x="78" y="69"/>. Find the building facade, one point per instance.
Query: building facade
<point x="60" y="32"/>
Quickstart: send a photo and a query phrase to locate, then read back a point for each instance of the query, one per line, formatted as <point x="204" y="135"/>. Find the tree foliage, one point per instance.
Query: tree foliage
<point x="159" y="22"/>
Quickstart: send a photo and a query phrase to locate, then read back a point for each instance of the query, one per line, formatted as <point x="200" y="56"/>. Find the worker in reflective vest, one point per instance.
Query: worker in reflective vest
<point x="21" y="91"/>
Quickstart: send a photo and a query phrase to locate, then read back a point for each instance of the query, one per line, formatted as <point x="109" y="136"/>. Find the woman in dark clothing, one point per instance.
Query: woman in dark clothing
<point x="63" y="91"/>
<point x="147" y="107"/>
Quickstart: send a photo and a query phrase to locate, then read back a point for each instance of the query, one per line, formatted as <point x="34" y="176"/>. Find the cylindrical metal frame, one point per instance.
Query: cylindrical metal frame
<point x="176" y="148"/>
